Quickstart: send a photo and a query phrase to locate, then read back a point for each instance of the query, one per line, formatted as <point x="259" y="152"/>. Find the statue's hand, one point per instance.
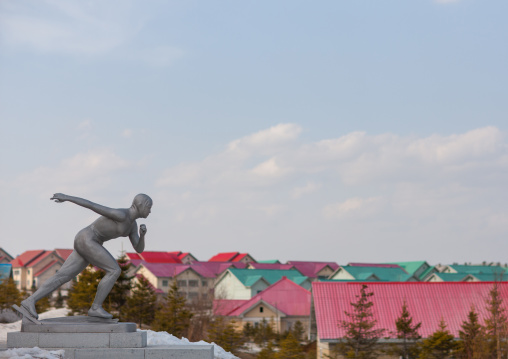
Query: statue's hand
<point x="142" y="229"/>
<point x="59" y="197"/>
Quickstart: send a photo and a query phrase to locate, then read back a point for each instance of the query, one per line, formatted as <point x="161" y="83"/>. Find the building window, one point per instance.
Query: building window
<point x="16" y="272"/>
<point x="192" y="295"/>
<point x="204" y="296"/>
<point x="193" y="283"/>
<point x="204" y="283"/>
<point x="182" y="283"/>
<point x="165" y="283"/>
<point x="261" y="309"/>
<point x="16" y="282"/>
<point x="28" y="271"/>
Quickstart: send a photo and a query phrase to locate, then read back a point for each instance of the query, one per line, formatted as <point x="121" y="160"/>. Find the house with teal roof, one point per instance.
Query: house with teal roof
<point x="5" y="271"/>
<point x="420" y="269"/>
<point x="371" y="273"/>
<point x="447" y="277"/>
<point x="476" y="269"/>
<point x="246" y="283"/>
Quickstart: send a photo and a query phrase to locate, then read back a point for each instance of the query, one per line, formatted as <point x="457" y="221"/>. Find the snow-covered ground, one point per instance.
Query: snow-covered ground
<point x="154" y="338"/>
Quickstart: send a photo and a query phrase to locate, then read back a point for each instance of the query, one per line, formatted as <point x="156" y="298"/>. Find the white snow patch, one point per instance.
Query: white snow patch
<point x="164" y="338"/>
<point x="32" y="353"/>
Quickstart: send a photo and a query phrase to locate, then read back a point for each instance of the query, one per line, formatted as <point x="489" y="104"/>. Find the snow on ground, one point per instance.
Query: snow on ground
<point x="164" y="338"/>
<point x="32" y="353"/>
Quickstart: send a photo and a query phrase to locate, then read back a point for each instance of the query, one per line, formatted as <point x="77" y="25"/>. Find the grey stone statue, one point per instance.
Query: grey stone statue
<point x="88" y="249"/>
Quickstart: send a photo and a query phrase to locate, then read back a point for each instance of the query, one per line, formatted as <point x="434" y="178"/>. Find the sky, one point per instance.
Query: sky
<point x="346" y="131"/>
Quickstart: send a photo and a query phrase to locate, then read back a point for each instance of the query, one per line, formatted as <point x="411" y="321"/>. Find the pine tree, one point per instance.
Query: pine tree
<point x="43" y="305"/>
<point x="224" y="334"/>
<point x="496" y="324"/>
<point x="290" y="349"/>
<point x="248" y="330"/>
<point x="117" y="298"/>
<point x="298" y="331"/>
<point x="361" y="338"/>
<point x="82" y="292"/>
<point x="9" y="294"/>
<point x="440" y="345"/>
<point x="173" y="315"/>
<point x="267" y="353"/>
<point x="264" y="333"/>
<point x="141" y="305"/>
<point x="59" y="300"/>
<point x="472" y="337"/>
<point x="408" y="332"/>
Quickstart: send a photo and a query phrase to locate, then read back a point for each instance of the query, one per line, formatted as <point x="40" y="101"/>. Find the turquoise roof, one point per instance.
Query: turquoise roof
<point x="490" y="277"/>
<point x="270" y="261"/>
<point x="5" y="270"/>
<point x="451" y="277"/>
<point x="250" y="276"/>
<point x="427" y="272"/>
<point x="410" y="267"/>
<point x="479" y="269"/>
<point x="383" y="273"/>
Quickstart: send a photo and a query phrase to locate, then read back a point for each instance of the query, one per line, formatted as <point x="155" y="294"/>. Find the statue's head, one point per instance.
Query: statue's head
<point x="143" y="204"/>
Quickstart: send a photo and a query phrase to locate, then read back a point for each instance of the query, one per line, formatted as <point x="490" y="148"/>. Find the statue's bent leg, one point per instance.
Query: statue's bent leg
<point x="70" y="269"/>
<point x="98" y="256"/>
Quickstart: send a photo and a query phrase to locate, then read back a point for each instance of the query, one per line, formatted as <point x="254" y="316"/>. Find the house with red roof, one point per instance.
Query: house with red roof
<point x="282" y="304"/>
<point x="315" y="270"/>
<point x="32" y="268"/>
<point x="185" y="257"/>
<point x="154" y="257"/>
<point x="427" y="303"/>
<point x="232" y="257"/>
<point x="196" y="282"/>
<point x="5" y="257"/>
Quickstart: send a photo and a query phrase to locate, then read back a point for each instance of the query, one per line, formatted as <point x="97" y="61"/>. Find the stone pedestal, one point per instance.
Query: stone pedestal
<point x="85" y="337"/>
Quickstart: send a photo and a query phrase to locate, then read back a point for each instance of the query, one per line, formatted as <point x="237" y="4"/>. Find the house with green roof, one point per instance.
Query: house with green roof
<point x="476" y="269"/>
<point x="447" y="277"/>
<point x="246" y="283"/>
<point x="420" y="269"/>
<point x="373" y="273"/>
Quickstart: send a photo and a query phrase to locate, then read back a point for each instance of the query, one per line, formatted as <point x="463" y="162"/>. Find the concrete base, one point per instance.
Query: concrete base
<point x="151" y="352"/>
<point x="76" y="340"/>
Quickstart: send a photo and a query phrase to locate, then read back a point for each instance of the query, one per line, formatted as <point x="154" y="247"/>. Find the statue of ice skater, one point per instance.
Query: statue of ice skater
<point x="88" y="249"/>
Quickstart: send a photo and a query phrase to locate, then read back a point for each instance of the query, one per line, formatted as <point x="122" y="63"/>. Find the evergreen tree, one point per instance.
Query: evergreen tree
<point x="361" y="338"/>
<point x="43" y="305"/>
<point x="59" y="300"/>
<point x="248" y="330"/>
<point x="264" y="333"/>
<point x="440" y="345"/>
<point x="173" y="315"/>
<point x="82" y="292"/>
<point x="408" y="332"/>
<point x="472" y="337"/>
<point x="290" y="349"/>
<point x="117" y="298"/>
<point x="298" y="331"/>
<point x="9" y="294"/>
<point x="224" y="334"/>
<point x="496" y="324"/>
<point x="141" y="305"/>
<point x="267" y="353"/>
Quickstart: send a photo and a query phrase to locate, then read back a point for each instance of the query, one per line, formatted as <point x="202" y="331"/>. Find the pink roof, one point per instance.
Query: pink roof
<point x="271" y="266"/>
<point x="226" y="306"/>
<point x="381" y="265"/>
<point x="155" y="257"/>
<point x="427" y="303"/>
<point x="64" y="253"/>
<point x="311" y="269"/>
<point x="284" y="295"/>
<point x="26" y="257"/>
<point x="224" y="257"/>
<point x="39" y="258"/>
<point x="173" y="269"/>
<point x="219" y="267"/>
<point x="49" y="265"/>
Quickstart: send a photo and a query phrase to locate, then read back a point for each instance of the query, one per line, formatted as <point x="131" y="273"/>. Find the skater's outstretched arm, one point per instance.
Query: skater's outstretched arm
<point x="114" y="214"/>
<point x="138" y="242"/>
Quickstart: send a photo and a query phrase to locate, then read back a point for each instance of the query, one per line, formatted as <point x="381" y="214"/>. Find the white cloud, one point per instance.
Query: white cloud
<point x="352" y="206"/>
<point x="127" y="133"/>
<point x="298" y="192"/>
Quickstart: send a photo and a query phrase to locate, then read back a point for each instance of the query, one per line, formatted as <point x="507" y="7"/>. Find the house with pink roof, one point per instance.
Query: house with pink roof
<point x="315" y="270"/>
<point x="153" y="257"/>
<point x="282" y="304"/>
<point x="232" y="257"/>
<point x="427" y="303"/>
<point x="196" y="282"/>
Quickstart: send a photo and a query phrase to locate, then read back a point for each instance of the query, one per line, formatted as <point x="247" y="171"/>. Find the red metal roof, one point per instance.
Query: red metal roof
<point x="284" y="295"/>
<point x="224" y="257"/>
<point x="36" y="260"/>
<point x="219" y="267"/>
<point x="226" y="306"/>
<point x="155" y="257"/>
<point x="311" y="269"/>
<point x="49" y="265"/>
<point x="26" y="257"/>
<point x="64" y="253"/>
<point x="173" y="269"/>
<point x="427" y="303"/>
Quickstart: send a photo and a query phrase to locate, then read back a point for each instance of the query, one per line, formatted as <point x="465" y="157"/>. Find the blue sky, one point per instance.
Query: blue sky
<point x="346" y="131"/>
